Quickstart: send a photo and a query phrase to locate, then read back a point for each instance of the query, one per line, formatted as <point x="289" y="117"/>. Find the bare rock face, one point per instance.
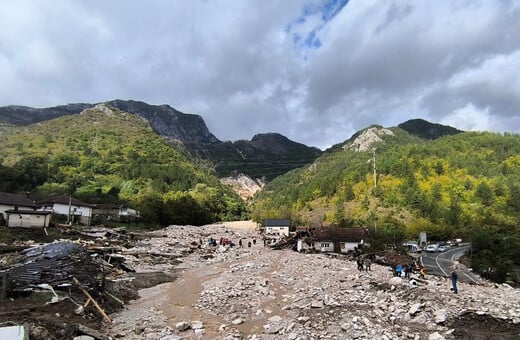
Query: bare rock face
<point x="244" y="185"/>
<point x="367" y="138"/>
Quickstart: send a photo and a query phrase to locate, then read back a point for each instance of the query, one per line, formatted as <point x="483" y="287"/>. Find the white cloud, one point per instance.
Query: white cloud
<point x="469" y="118"/>
<point x="279" y="66"/>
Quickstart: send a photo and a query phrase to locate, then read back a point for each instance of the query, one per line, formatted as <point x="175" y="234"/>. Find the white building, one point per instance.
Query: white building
<point x="76" y="210"/>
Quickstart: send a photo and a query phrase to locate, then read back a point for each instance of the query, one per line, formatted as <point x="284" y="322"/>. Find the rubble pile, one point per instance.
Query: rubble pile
<point x="214" y="282"/>
<point x="80" y="280"/>
<point x="258" y="293"/>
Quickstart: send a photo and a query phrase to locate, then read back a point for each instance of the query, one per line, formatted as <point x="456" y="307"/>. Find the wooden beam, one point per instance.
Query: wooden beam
<point x="87" y="294"/>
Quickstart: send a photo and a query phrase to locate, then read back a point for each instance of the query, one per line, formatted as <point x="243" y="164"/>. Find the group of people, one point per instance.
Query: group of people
<point x="407" y="269"/>
<point x="363" y="263"/>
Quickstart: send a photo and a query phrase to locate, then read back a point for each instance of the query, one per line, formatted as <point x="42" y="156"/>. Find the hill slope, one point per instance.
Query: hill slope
<point x="265" y="156"/>
<point x="427" y="130"/>
<point x="464" y="185"/>
<point x="108" y="155"/>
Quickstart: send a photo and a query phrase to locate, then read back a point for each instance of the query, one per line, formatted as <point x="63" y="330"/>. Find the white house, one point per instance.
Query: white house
<point x="20" y="211"/>
<point x="13" y="201"/>
<point x="334" y="239"/>
<point x="277" y="227"/>
<point x="18" y="218"/>
<point x="77" y="211"/>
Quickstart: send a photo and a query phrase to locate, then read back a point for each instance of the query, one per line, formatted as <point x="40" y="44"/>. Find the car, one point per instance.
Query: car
<point x="442" y="248"/>
<point x="432" y="248"/>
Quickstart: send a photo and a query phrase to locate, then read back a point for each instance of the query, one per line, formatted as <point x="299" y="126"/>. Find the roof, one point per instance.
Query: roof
<point x="27" y="212"/>
<point x="64" y="200"/>
<point x="15" y="200"/>
<point x="337" y="234"/>
<point x="281" y="222"/>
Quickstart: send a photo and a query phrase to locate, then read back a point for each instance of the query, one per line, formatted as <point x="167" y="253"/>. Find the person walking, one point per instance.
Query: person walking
<point x="360" y="263"/>
<point x="367" y="264"/>
<point x="454" y="281"/>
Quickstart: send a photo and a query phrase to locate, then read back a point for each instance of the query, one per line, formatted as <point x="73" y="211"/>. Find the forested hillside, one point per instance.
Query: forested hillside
<point x="466" y="185"/>
<point x="108" y="155"/>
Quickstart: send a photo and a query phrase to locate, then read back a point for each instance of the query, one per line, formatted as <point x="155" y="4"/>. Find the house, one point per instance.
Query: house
<point x="102" y="213"/>
<point x="20" y="211"/>
<point x="19" y="218"/>
<point x="75" y="210"/>
<point x="11" y="201"/>
<point x="334" y="239"/>
<point x="277" y="227"/>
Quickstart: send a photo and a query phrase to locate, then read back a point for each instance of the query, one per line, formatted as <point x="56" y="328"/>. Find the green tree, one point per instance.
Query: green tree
<point x="484" y="194"/>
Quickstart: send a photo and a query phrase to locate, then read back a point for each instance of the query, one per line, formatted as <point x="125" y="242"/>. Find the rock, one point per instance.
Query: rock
<point x="197" y="325"/>
<point x="79" y="310"/>
<point x="199" y="332"/>
<point x="435" y="336"/>
<point x="395" y="281"/>
<point x="316" y="304"/>
<point x="182" y="326"/>
<point x="273" y="328"/>
<point x="237" y="321"/>
<point x="172" y="337"/>
<point x="440" y="316"/>
<point x="415" y="308"/>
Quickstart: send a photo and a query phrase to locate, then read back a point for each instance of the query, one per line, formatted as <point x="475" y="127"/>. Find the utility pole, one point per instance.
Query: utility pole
<point x="69" y="219"/>
<point x="374" y="166"/>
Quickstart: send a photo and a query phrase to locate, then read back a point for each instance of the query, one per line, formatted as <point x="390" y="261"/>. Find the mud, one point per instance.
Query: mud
<point x="484" y="327"/>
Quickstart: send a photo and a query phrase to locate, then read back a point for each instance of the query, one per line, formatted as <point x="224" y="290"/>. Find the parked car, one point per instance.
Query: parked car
<point x="442" y="248"/>
<point x="432" y="248"/>
<point x="412" y="247"/>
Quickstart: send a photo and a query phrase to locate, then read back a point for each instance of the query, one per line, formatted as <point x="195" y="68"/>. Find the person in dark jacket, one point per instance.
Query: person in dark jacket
<point x="454" y="281"/>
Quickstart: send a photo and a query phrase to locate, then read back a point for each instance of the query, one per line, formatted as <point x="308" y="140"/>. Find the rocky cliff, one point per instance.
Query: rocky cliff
<point x="265" y="156"/>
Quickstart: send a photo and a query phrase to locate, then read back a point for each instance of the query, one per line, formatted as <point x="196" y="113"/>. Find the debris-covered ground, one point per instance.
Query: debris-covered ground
<point x="190" y="289"/>
<point x="259" y="293"/>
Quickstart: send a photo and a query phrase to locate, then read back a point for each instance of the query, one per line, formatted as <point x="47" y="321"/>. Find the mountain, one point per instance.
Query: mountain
<point x="106" y="155"/>
<point x="463" y="185"/>
<point x="427" y="130"/>
<point x="456" y="181"/>
<point x="265" y="156"/>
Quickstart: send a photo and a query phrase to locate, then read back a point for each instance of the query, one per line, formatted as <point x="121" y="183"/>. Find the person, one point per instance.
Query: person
<point x="422" y="272"/>
<point x="367" y="264"/>
<point x="407" y="270"/>
<point x="398" y="270"/>
<point x="360" y="263"/>
<point x="454" y="281"/>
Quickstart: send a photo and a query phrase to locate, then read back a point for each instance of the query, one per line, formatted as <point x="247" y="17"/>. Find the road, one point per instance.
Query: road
<point x="441" y="263"/>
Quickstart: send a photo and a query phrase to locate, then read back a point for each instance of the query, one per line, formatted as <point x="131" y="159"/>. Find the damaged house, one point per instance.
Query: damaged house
<point x="20" y="211"/>
<point x="333" y="239"/>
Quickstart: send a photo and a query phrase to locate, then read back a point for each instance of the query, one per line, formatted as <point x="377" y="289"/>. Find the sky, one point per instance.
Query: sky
<point x="316" y="71"/>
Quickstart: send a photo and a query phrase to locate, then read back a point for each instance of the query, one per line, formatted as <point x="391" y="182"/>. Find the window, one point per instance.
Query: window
<point x="325" y="245"/>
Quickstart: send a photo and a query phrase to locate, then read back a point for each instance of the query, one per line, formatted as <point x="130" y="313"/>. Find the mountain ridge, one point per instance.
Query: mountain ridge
<point x="271" y="151"/>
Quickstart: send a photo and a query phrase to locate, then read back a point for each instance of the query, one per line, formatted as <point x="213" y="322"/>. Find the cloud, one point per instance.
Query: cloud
<point x="316" y="71"/>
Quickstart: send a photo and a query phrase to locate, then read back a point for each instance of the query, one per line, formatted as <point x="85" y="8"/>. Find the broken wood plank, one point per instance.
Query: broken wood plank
<point x="87" y="294"/>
